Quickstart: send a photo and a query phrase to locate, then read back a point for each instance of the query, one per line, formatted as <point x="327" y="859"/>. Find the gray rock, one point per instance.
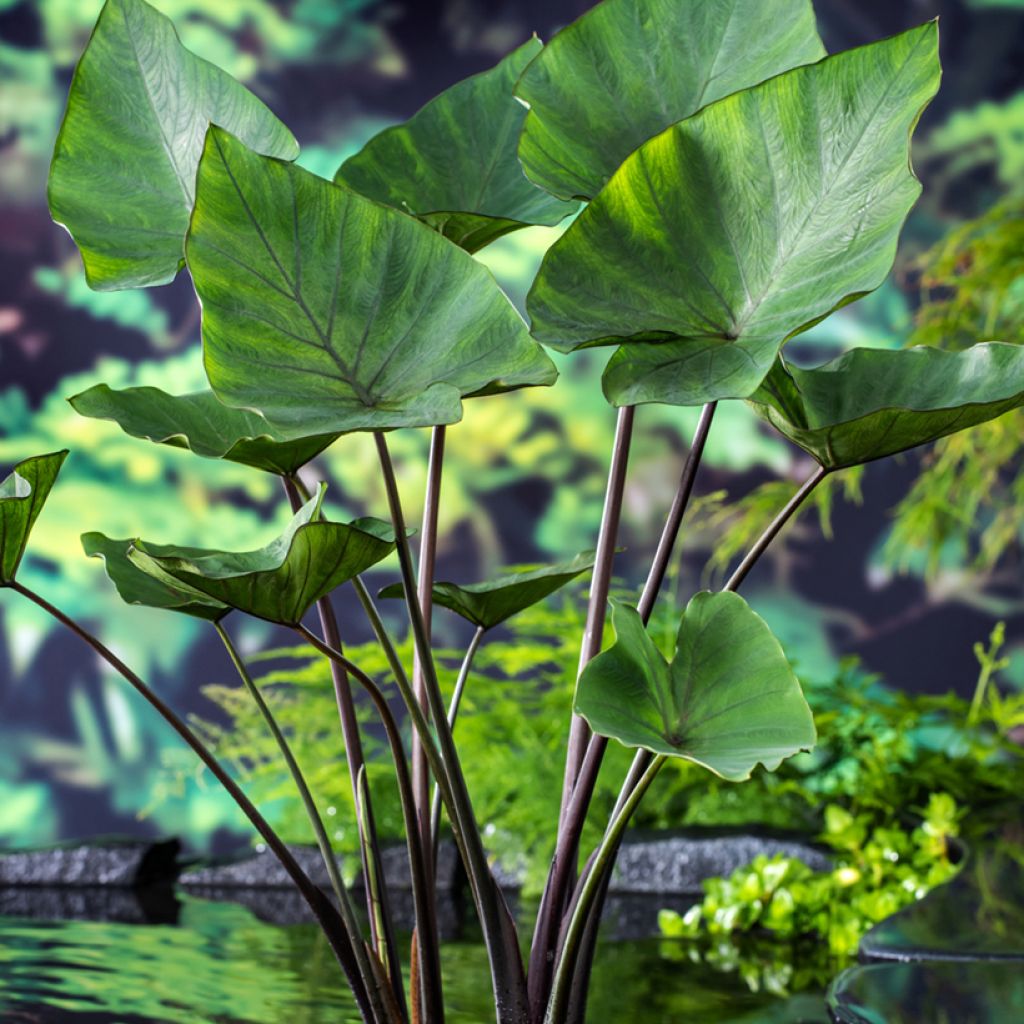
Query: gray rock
<point x="678" y="863"/>
<point x="116" y="864"/>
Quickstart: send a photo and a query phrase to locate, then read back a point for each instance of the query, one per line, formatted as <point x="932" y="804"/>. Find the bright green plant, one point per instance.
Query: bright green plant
<point x="326" y="311"/>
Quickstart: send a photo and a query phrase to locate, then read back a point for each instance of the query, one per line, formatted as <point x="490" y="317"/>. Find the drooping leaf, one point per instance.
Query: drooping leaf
<point x="741" y="226"/>
<point x="870" y="403"/>
<point x="454" y="164"/>
<point x="627" y="69"/>
<point x="123" y="175"/>
<point x="328" y="312"/>
<point x="138" y="587"/>
<point x="202" y="424"/>
<point x="281" y="581"/>
<point x="22" y="496"/>
<point x="727" y="701"/>
<point x="489" y="604"/>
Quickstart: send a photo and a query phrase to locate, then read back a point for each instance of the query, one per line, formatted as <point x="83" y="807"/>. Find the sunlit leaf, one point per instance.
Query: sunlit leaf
<point x="454" y="165"/>
<point x="327" y="311"/>
<point x="727" y="701"/>
<point x="627" y="69"/>
<point x="490" y="603"/>
<point x="22" y="496"/>
<point x="123" y="175"/>
<point x="870" y="403"/>
<point x="200" y="423"/>
<point x="742" y="226"/>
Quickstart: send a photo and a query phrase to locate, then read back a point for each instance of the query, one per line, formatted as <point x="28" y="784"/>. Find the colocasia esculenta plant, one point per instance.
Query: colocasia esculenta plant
<point x="732" y="185"/>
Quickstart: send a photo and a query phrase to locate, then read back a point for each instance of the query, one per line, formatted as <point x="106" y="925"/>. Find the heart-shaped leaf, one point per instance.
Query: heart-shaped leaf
<point x="870" y="403"/>
<point x="329" y="312"/>
<point x="22" y="496"/>
<point x="123" y="175"/>
<point x="742" y="226"/>
<point x="201" y="423"/>
<point x="489" y="604"/>
<point x="627" y="69"/>
<point x="728" y="700"/>
<point x="138" y="587"/>
<point x="453" y="164"/>
<point x="281" y="581"/>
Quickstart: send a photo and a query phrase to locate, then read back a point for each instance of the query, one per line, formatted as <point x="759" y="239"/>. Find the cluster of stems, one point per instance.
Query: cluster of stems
<point x="552" y="988"/>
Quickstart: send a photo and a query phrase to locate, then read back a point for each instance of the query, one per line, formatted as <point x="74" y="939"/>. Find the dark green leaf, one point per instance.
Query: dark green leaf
<point x="202" y="424"/>
<point x="870" y="403"/>
<point x="22" y="496"/>
<point x="491" y="603"/>
<point x="124" y="167"/>
<point x="138" y="587"/>
<point x="727" y="701"/>
<point x="454" y="164"/>
<point x="328" y="312"/>
<point x="742" y="226"/>
<point x="282" y="580"/>
<point x="628" y="69"/>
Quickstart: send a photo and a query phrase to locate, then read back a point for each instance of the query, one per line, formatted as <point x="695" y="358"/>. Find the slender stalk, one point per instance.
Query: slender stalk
<point x="499" y="932"/>
<point x="378" y="901"/>
<point x="428" y="945"/>
<point x="762" y="542"/>
<point x="323" y="910"/>
<point x="453" y="714"/>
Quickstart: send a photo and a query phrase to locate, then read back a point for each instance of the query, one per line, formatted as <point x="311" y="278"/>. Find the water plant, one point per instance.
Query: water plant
<point x="737" y="186"/>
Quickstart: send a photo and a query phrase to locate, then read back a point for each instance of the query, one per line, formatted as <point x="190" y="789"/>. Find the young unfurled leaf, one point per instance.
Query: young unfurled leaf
<point x="741" y="226"/>
<point x="282" y="580"/>
<point x="454" y="165"/>
<point x="627" y="69"/>
<point x="123" y="175"/>
<point x="22" y="496"/>
<point x="870" y="403"/>
<point x="727" y="701"/>
<point x="330" y="312"/>
<point x="137" y="587"/>
<point x="491" y="603"/>
<point x="201" y="423"/>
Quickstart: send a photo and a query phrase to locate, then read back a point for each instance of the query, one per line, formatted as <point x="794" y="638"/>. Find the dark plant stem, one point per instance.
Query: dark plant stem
<point x="428" y="940"/>
<point x="382" y="931"/>
<point x="323" y="910"/>
<point x="499" y="931"/>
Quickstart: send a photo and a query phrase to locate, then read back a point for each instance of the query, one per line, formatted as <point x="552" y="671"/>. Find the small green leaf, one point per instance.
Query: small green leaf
<point x="491" y="603"/>
<point x="742" y="226"/>
<point x="330" y="312"/>
<point x="138" y="587"/>
<point x="627" y="69"/>
<point x="199" y="422"/>
<point x="282" y="580"/>
<point x="124" y="167"/>
<point x="870" y="403"/>
<point x="22" y="496"/>
<point x="728" y="700"/>
<point x="454" y="165"/>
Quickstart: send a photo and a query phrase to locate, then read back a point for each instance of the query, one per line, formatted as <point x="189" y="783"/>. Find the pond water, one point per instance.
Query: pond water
<point x="219" y="964"/>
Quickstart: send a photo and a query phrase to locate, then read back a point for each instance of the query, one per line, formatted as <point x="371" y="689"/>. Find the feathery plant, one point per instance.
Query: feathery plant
<point x="733" y="186"/>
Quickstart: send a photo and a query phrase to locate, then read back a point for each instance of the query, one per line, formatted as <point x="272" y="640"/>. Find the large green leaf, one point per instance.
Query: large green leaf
<point x="124" y="167"/>
<point x="628" y="69"/>
<point x="728" y="700"/>
<point x="870" y="403"/>
<point x="201" y="423"/>
<point x="282" y="580"/>
<point x="138" y="587"/>
<point x="328" y="311"/>
<point x="742" y="226"/>
<point x="454" y="164"/>
<point x="489" y="604"/>
<point x="22" y="496"/>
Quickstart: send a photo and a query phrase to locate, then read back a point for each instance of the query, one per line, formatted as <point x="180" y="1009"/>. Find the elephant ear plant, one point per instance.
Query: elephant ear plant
<point x="737" y="186"/>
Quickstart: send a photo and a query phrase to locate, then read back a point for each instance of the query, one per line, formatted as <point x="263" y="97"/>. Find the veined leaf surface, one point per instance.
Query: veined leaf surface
<point x="22" y="496"/>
